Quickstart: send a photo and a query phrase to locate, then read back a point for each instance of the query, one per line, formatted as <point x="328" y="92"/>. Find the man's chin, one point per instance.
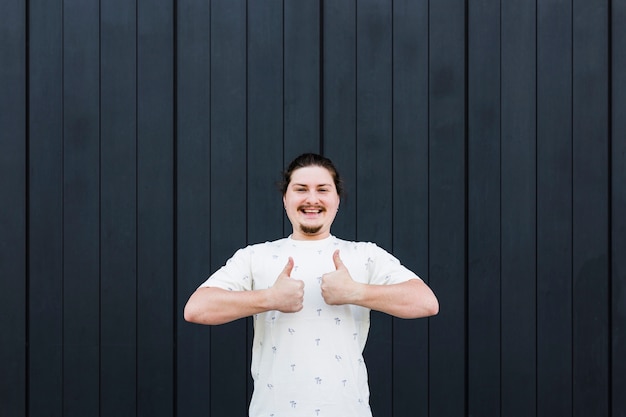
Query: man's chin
<point x="310" y="230"/>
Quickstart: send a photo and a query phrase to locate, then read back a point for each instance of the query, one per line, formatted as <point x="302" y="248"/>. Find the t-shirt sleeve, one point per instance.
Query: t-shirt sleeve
<point x="235" y="275"/>
<point x="384" y="268"/>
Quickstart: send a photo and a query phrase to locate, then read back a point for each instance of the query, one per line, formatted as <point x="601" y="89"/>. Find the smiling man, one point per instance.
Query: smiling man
<point x="310" y="296"/>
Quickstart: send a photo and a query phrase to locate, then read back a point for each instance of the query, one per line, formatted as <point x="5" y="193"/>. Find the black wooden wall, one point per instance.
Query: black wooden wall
<point x="483" y="142"/>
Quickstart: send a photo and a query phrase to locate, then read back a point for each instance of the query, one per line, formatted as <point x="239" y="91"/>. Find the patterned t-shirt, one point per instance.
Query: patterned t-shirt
<point x="309" y="363"/>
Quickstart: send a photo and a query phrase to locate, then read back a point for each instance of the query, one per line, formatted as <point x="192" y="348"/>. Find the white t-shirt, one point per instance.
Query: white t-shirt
<point x="309" y="363"/>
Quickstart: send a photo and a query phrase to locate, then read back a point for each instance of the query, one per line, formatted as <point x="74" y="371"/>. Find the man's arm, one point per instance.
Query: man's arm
<point x="210" y="305"/>
<point x="410" y="299"/>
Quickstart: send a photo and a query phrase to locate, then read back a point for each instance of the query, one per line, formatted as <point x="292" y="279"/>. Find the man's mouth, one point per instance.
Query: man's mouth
<point x="311" y="210"/>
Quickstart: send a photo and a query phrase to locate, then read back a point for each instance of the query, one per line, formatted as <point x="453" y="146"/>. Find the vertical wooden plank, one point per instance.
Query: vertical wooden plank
<point x="618" y="209"/>
<point x="265" y="120"/>
<point x="374" y="120"/>
<point x="264" y="129"/>
<point x="518" y="175"/>
<point x="374" y="172"/>
<point x="118" y="223"/>
<point x="13" y="191"/>
<point x="192" y="201"/>
<point x="228" y="178"/>
<point x="301" y="78"/>
<point x="45" y="235"/>
<point x="591" y="208"/>
<point x="554" y="208"/>
<point x="155" y="193"/>
<point x="483" y="211"/>
<point x="339" y="104"/>
<point x="447" y="201"/>
<point x="81" y="208"/>
<point x="410" y="196"/>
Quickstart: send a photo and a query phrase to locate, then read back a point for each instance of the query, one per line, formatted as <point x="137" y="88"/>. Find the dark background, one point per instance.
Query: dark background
<point x="483" y="142"/>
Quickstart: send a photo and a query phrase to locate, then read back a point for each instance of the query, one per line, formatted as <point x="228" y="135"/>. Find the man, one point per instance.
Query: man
<point x="310" y="295"/>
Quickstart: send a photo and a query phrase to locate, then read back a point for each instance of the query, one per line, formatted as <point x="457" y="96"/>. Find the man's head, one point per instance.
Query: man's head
<point x="311" y="190"/>
<point x="307" y="160"/>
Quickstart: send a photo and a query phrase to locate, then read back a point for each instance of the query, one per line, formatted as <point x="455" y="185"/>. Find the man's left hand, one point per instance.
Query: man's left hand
<point x="338" y="287"/>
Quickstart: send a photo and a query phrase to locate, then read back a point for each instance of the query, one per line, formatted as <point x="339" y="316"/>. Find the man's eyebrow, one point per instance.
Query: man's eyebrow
<point x="306" y="185"/>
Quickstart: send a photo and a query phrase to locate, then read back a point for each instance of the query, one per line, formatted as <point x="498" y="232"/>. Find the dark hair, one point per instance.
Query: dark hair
<point x="307" y="160"/>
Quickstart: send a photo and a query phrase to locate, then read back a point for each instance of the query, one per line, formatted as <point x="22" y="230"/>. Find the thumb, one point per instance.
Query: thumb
<point x="288" y="268"/>
<point x="337" y="260"/>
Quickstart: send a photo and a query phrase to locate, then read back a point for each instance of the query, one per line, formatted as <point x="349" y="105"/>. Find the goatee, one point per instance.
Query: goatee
<point x="310" y="230"/>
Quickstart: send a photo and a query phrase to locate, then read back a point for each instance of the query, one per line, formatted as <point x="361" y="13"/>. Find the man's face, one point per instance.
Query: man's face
<point x="311" y="202"/>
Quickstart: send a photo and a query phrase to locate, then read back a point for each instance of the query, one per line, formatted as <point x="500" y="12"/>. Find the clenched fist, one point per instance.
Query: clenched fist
<point x="287" y="294"/>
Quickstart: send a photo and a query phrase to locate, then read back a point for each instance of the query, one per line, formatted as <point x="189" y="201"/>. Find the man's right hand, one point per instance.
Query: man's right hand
<point x="287" y="294"/>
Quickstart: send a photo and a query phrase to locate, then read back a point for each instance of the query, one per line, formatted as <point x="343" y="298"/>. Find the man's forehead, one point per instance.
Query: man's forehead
<point x="312" y="174"/>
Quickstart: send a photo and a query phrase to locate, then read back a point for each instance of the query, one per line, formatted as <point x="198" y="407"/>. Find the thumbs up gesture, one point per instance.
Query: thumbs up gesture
<point x="287" y="294"/>
<point x="338" y="287"/>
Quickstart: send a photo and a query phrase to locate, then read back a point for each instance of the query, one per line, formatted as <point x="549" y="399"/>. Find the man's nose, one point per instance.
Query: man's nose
<point x="312" y="197"/>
